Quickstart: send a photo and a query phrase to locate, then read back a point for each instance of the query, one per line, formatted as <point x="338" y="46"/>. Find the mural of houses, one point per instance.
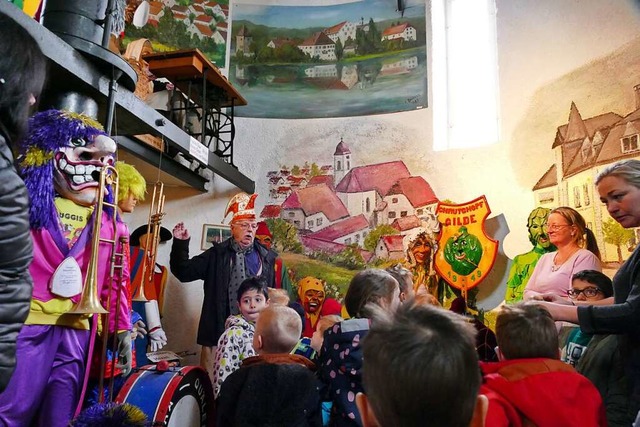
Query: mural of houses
<point x="342" y="31"/>
<point x="313" y="208"/>
<point x="270" y="211"/>
<point x="156" y="11"/>
<point x="390" y="247"/>
<point x="399" y="67"/>
<point x="411" y="196"/>
<point x="243" y="41"/>
<point x="312" y="245"/>
<point x="319" y="45"/>
<point x="332" y="211"/>
<point x="321" y="180"/>
<point x="363" y="188"/>
<point x="279" y="42"/>
<point x="405" y="31"/>
<point x="348" y="231"/>
<point x="181" y="13"/>
<point x="582" y="148"/>
<point x="215" y="8"/>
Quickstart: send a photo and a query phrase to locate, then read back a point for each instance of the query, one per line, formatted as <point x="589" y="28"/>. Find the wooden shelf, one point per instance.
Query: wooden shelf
<point x="186" y="69"/>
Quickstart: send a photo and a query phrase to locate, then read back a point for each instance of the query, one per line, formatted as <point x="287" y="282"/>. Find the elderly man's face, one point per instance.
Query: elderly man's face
<point x="244" y="231"/>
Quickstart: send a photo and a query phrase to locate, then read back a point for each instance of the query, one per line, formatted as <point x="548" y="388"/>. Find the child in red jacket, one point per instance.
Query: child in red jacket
<point x="530" y="385"/>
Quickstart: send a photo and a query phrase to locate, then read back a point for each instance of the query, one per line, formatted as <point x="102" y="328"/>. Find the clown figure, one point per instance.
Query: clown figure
<point x="523" y="264"/>
<point x="313" y="299"/>
<point x="61" y="158"/>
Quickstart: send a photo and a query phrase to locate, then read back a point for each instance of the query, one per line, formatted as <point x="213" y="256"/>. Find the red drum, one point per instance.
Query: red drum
<point x="177" y="397"/>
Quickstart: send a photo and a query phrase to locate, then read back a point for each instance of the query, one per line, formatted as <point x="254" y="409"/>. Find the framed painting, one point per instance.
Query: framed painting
<point x="213" y="233"/>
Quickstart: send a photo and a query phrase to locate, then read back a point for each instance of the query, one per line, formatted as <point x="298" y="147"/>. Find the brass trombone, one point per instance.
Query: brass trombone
<point x="156" y="213"/>
<point x="89" y="302"/>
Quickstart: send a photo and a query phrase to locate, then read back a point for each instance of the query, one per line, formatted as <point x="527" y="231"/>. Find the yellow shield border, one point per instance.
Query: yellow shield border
<point x="471" y="215"/>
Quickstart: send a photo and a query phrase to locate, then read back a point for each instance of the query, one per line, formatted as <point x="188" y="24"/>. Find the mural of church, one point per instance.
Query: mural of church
<point x="334" y="206"/>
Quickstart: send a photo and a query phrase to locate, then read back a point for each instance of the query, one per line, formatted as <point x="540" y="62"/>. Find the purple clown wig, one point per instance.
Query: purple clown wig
<point x="48" y="132"/>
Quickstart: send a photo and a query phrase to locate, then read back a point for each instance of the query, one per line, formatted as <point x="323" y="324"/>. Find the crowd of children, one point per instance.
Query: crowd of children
<point x="398" y="362"/>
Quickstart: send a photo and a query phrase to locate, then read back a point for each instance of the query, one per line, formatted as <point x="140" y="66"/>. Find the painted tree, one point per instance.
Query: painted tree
<point x="372" y="238"/>
<point x="285" y="235"/>
<point x="617" y="235"/>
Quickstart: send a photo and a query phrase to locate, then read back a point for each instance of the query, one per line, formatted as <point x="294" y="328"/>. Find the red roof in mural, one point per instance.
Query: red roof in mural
<point x="379" y="177"/>
<point x="270" y="211"/>
<point x="204" y="30"/>
<point x="318" y="245"/>
<point x="416" y="189"/>
<point x="204" y="19"/>
<point x="396" y="29"/>
<point x="318" y="198"/>
<point x="393" y="243"/>
<point x="321" y="179"/>
<point x="406" y="223"/>
<point x="335" y="28"/>
<point x="342" y="228"/>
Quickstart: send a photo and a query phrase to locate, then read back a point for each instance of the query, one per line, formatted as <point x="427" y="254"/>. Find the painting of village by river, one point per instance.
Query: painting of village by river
<point x="352" y="59"/>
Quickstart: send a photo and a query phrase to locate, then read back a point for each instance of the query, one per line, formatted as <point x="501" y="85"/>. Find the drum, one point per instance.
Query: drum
<point x="177" y="397"/>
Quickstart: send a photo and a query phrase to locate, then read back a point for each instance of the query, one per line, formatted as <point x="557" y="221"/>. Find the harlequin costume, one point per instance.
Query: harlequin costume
<point x="313" y="299"/>
<point x="53" y="346"/>
<point x="264" y="236"/>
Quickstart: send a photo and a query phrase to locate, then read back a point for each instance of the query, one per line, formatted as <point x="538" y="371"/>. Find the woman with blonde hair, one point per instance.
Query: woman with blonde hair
<point x="577" y="251"/>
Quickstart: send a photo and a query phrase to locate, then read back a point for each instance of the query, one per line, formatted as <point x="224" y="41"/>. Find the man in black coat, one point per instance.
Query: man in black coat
<point x="223" y="267"/>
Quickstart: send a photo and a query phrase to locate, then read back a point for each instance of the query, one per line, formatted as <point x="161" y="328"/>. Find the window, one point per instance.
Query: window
<point x="347" y="241"/>
<point x="292" y="214"/>
<point x="403" y="214"/>
<point x="296" y="223"/>
<point x="339" y="165"/>
<point x="310" y="223"/>
<point x="368" y="203"/>
<point x="319" y="221"/>
<point x="419" y="211"/>
<point x="546" y="197"/>
<point x="630" y="143"/>
<point x="465" y="74"/>
<point x="357" y="237"/>
<point x="392" y="215"/>
<point x="394" y="200"/>
<point x="585" y="194"/>
<point x="576" y="197"/>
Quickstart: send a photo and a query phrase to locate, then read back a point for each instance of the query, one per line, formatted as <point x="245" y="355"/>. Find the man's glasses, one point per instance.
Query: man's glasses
<point x="555" y="227"/>
<point x="587" y="292"/>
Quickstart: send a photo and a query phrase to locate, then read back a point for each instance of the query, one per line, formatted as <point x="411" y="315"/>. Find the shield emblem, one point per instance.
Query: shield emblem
<point x="466" y="253"/>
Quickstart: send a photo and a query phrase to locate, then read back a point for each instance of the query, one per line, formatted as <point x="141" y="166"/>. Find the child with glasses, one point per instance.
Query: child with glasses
<point x="597" y="357"/>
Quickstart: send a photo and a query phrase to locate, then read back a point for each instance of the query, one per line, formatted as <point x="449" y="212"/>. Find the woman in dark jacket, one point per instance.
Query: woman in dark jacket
<point x="22" y="74"/>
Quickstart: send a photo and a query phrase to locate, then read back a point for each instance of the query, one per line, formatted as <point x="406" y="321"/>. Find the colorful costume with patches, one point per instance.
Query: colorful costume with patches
<point x="234" y="345"/>
<point x="312" y="297"/>
<point x="62" y="152"/>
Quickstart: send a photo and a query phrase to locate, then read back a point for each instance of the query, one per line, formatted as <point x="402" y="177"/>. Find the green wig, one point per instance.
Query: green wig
<point x="130" y="181"/>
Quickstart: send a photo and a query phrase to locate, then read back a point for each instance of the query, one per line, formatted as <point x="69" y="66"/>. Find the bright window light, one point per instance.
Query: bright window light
<point x="465" y="74"/>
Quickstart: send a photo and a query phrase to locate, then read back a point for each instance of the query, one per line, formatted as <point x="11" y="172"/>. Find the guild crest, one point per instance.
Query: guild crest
<point x="466" y="253"/>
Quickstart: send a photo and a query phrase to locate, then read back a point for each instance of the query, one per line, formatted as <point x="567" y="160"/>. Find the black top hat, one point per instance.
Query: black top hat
<point x="134" y="239"/>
